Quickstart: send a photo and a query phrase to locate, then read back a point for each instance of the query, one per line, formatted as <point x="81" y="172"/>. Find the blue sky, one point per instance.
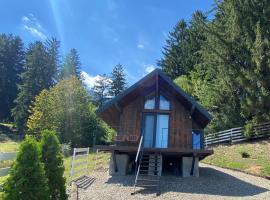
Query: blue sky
<point x="105" y="32"/>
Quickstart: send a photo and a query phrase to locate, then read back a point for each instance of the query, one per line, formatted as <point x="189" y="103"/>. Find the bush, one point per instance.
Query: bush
<point x="27" y="180"/>
<point x="52" y="158"/>
<point x="244" y="154"/>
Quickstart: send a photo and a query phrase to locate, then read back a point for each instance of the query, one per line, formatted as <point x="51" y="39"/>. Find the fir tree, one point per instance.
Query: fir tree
<point x="11" y="66"/>
<point x="38" y="75"/>
<point x="27" y="180"/>
<point x="71" y="65"/>
<point x="118" y="78"/>
<point x="52" y="158"/>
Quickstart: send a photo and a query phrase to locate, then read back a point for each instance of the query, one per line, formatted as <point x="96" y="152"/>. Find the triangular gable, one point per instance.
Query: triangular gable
<point x="197" y="110"/>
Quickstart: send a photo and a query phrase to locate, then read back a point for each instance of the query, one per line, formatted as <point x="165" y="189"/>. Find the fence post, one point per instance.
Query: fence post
<point x="231" y="136"/>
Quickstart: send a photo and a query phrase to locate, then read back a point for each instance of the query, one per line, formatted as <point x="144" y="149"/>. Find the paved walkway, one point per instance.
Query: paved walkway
<point x="214" y="183"/>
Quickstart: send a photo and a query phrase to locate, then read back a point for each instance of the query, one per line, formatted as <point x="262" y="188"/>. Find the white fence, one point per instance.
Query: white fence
<point x="235" y="135"/>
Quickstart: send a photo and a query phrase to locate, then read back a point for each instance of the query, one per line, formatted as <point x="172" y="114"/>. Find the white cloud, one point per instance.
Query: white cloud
<point x="25" y="19"/>
<point x="90" y="80"/>
<point x="140" y="46"/>
<point x="31" y="24"/>
<point x="35" y="32"/>
<point x="149" y="68"/>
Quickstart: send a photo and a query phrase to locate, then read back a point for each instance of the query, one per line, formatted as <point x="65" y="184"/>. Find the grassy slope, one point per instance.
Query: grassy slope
<point x="230" y="156"/>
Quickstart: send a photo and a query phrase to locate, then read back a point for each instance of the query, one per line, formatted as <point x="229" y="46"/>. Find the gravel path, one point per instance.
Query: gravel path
<point x="213" y="183"/>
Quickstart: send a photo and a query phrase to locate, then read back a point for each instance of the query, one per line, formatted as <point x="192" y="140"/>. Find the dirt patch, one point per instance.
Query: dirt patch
<point x="254" y="170"/>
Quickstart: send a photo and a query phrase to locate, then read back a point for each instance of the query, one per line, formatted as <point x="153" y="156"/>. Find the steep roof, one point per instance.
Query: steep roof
<point x="198" y="112"/>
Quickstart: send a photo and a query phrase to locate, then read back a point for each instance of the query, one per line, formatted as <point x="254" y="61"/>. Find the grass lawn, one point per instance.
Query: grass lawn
<point x="258" y="161"/>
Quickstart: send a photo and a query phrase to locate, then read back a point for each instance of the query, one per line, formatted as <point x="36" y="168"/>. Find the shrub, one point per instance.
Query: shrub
<point x="52" y="158"/>
<point x="27" y="180"/>
<point x="244" y="154"/>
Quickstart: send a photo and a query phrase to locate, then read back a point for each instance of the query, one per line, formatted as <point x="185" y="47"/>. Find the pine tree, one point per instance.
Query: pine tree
<point x="52" y="158"/>
<point x="27" y="180"/>
<point x="118" y="78"/>
<point x="182" y="51"/>
<point x="100" y="89"/>
<point x="71" y="65"/>
<point x="173" y="51"/>
<point x="11" y="66"/>
<point x="38" y="75"/>
<point x="52" y="46"/>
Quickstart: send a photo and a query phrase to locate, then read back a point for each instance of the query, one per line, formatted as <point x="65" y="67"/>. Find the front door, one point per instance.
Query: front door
<point x="155" y="130"/>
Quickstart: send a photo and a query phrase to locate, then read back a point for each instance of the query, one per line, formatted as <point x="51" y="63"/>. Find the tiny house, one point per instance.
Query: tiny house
<point x="156" y="116"/>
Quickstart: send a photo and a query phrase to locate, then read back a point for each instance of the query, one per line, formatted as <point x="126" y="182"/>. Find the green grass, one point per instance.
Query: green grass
<point x="230" y="156"/>
<point x="9" y="146"/>
<point x="102" y="161"/>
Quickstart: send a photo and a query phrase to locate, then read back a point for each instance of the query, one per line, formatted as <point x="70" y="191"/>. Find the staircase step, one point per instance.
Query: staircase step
<point x="145" y="170"/>
<point x="146" y="185"/>
<point x="150" y="180"/>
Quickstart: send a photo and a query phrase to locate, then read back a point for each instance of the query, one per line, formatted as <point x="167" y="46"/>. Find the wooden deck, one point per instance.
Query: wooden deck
<point x="132" y="150"/>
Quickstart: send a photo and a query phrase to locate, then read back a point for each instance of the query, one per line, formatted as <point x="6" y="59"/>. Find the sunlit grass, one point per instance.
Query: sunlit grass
<point x="102" y="161"/>
<point x="257" y="163"/>
<point x="9" y="146"/>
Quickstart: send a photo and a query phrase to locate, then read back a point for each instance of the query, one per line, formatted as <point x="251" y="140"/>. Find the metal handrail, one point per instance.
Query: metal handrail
<point x="139" y="149"/>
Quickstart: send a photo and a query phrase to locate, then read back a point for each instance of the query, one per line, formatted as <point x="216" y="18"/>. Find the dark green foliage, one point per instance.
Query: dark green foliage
<point x="11" y="65"/>
<point x="27" y="180"/>
<point x="118" y="78"/>
<point x="52" y="158"/>
<point x="230" y="63"/>
<point x="182" y="49"/>
<point x="40" y="71"/>
<point x="244" y="154"/>
<point x="71" y="65"/>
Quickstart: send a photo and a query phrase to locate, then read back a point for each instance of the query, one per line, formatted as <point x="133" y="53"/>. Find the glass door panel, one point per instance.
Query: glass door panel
<point x="162" y="130"/>
<point x="148" y="130"/>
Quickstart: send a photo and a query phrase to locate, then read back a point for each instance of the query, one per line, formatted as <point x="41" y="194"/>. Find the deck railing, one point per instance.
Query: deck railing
<point x="236" y="135"/>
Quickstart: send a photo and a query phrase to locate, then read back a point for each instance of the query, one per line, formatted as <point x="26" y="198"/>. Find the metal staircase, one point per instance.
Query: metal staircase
<point x="149" y="168"/>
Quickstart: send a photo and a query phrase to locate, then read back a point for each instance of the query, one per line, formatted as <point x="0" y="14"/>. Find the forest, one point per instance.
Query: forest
<point x="221" y="58"/>
<point x="223" y="61"/>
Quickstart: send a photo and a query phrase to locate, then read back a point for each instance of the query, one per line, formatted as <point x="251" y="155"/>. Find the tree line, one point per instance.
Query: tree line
<point x="224" y="62"/>
<point x="39" y="90"/>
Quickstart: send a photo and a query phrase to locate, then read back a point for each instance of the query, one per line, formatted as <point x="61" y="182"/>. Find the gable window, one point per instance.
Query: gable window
<point x="164" y="104"/>
<point x="150" y="102"/>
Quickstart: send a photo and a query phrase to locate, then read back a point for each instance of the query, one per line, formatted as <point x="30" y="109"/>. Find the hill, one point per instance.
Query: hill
<point x="253" y="158"/>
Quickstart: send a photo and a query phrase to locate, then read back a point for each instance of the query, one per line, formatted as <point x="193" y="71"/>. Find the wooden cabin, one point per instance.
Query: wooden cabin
<point x="171" y="122"/>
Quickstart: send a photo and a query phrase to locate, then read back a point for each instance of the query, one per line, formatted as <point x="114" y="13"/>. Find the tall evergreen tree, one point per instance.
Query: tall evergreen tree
<point x="100" y="89"/>
<point x="11" y="66"/>
<point x="52" y="46"/>
<point x="172" y="64"/>
<point x="38" y="75"/>
<point x="118" y="78"/>
<point x="71" y="65"/>
<point x="183" y="46"/>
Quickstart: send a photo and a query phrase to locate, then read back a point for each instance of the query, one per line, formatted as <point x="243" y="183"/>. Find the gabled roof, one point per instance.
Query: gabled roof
<point x="203" y="117"/>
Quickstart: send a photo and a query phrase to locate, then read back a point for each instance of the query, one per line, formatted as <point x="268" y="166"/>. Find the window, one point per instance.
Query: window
<point x="164" y="104"/>
<point x="196" y="140"/>
<point x="150" y="103"/>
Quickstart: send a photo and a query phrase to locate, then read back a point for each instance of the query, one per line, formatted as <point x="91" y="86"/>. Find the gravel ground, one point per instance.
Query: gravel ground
<point x="213" y="183"/>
